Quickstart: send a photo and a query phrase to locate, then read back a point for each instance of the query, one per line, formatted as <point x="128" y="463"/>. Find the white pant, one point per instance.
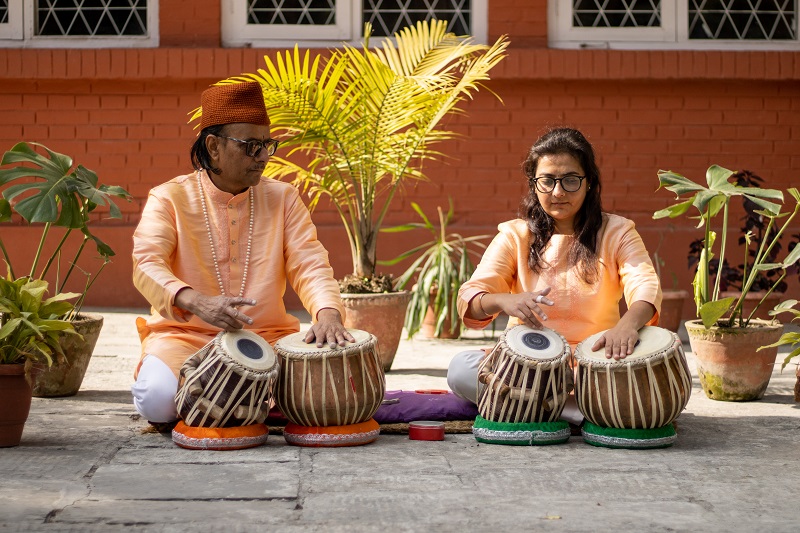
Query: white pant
<point x="154" y="391"/>
<point x="462" y="378"/>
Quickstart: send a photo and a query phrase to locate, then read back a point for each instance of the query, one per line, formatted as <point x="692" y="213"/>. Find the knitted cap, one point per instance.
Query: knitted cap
<point x="239" y="102"/>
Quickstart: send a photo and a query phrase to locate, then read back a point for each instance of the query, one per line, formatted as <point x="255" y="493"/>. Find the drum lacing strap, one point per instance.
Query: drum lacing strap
<point x="655" y="393"/>
<point x="485" y="399"/>
<point x="681" y="396"/>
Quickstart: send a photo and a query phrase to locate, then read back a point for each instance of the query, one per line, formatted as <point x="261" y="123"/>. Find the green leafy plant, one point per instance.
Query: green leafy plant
<point x="713" y="200"/>
<point x="367" y="119"/>
<point x="51" y="192"/>
<point x="442" y="266"/>
<point x="791" y="338"/>
<point x="29" y="323"/>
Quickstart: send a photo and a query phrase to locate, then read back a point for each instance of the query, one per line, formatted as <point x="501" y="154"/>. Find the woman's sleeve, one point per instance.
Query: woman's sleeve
<point x="154" y="243"/>
<point x="637" y="275"/>
<point x="495" y="274"/>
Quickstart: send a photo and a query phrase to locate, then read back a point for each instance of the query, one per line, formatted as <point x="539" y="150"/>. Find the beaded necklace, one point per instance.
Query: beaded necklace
<point x="211" y="239"/>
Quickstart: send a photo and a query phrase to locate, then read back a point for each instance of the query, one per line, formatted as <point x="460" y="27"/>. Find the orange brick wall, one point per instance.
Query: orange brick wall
<point x="123" y="114"/>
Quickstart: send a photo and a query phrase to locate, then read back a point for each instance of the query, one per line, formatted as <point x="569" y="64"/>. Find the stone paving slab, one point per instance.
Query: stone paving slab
<point x="89" y="463"/>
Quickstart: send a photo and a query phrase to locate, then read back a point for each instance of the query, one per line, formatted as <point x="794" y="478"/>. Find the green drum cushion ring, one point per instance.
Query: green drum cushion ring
<point x="520" y="433"/>
<point x="634" y="439"/>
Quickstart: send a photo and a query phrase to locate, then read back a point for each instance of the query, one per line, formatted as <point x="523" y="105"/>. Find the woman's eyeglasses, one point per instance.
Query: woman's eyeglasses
<point x="569" y="183"/>
<point x="253" y="147"/>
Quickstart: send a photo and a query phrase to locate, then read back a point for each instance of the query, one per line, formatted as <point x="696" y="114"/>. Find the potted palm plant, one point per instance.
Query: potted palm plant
<point x="366" y="120"/>
<point x="51" y="193"/>
<point x="30" y="331"/>
<point x="725" y="340"/>
<point x="441" y="266"/>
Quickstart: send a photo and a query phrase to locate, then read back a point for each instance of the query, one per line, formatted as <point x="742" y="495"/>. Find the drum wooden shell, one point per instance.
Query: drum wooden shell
<point x="646" y="390"/>
<point x="521" y="385"/>
<point x="223" y="387"/>
<point x="329" y="387"/>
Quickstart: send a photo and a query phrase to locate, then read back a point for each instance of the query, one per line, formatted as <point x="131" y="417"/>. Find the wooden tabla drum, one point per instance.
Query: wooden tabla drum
<point x="326" y="387"/>
<point x="228" y="382"/>
<point x="526" y="377"/>
<point x="632" y="402"/>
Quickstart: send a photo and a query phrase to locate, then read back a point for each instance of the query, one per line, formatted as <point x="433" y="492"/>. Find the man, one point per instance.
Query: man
<point x="214" y="249"/>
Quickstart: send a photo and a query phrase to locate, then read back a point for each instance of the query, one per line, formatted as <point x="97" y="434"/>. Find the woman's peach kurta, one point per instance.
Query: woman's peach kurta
<point x="580" y="310"/>
<point x="171" y="250"/>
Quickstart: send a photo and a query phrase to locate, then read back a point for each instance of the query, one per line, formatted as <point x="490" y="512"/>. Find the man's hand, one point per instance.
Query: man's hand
<point x="329" y="328"/>
<point x="219" y="311"/>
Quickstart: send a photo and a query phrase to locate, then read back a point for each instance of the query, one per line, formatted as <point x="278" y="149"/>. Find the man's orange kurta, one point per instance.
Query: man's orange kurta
<point x="171" y="250"/>
<point x="580" y="310"/>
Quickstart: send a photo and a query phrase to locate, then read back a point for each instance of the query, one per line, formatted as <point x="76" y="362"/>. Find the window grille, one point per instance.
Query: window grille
<point x="616" y="13"/>
<point x="389" y="16"/>
<point x="755" y="20"/>
<point x="91" y="18"/>
<point x="3" y="11"/>
<point x="304" y="12"/>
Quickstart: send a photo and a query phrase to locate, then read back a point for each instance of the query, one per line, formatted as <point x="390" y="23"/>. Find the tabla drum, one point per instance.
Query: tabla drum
<point x="229" y="382"/>
<point x="526" y="380"/>
<point x="336" y="389"/>
<point x="631" y="402"/>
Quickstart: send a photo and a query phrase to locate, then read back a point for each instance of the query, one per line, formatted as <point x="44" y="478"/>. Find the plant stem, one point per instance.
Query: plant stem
<point x="39" y="250"/>
<point x="55" y="253"/>
<point x="73" y="263"/>
<point x="8" y="259"/>
<point x="721" y="262"/>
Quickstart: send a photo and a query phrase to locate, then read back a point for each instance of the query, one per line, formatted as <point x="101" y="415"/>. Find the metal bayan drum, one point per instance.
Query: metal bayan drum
<point x="330" y="386"/>
<point x="228" y="382"/>
<point x="526" y="376"/>
<point x="637" y="395"/>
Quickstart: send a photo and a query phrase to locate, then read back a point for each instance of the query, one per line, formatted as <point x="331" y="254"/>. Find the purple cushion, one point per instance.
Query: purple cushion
<point x="413" y="405"/>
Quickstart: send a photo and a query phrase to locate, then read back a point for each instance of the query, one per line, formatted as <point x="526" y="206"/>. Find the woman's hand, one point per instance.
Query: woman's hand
<point x="329" y="328"/>
<point x="620" y="340"/>
<point x="220" y="311"/>
<point x="527" y="306"/>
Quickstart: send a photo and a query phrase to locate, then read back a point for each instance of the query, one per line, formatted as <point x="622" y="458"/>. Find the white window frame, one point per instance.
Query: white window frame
<point x="24" y="22"/>
<point x="672" y="35"/>
<point x="349" y="28"/>
<point x="13" y="28"/>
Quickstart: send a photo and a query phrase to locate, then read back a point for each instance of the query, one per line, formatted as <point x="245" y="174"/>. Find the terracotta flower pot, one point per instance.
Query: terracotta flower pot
<point x="382" y="315"/>
<point x="672" y="309"/>
<point x="728" y="361"/>
<point x="64" y="378"/>
<point x="15" y="403"/>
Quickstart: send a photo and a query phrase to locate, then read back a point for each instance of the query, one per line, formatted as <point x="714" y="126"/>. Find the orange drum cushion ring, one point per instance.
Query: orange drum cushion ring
<point x="232" y="438"/>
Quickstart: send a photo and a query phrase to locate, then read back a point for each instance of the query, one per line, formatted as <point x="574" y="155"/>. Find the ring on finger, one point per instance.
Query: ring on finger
<point x="538" y="299"/>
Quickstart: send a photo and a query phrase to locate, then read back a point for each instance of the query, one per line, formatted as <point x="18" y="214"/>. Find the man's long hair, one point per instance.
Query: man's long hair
<point x="583" y="252"/>
<point x="201" y="159"/>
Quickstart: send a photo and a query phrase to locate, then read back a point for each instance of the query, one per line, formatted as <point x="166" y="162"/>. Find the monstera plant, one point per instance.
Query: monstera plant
<point x="44" y="190"/>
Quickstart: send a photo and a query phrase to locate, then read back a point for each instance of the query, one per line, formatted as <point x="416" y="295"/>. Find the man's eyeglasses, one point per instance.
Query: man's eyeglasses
<point x="253" y="147"/>
<point x="569" y="183"/>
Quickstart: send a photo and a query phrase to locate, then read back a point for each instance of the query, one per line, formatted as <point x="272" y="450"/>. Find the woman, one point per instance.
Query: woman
<point x="565" y="264"/>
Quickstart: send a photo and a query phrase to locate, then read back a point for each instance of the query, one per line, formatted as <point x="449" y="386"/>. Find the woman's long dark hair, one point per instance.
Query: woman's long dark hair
<point x="201" y="159"/>
<point x="589" y="219"/>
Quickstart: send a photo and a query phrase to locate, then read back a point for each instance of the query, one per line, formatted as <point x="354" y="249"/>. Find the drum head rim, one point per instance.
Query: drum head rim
<point x="517" y="331"/>
<point x="226" y="341"/>
<point x="288" y="347"/>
